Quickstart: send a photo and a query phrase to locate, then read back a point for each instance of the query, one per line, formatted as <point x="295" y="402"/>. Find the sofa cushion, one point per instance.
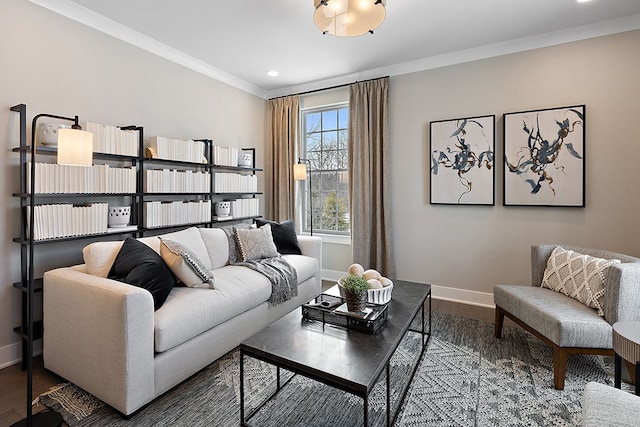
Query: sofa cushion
<point x="185" y="264"/>
<point x="581" y="277"/>
<point x="99" y="257"/>
<point x="284" y="236"/>
<point x="255" y="243"/>
<point x="556" y="316"/>
<point x="306" y="267"/>
<point x="137" y="264"/>
<point x="217" y="245"/>
<point x="189" y="312"/>
<point x="191" y="238"/>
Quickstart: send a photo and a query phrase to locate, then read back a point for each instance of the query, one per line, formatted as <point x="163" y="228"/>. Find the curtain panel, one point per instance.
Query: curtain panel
<point x="281" y="155"/>
<point x="368" y="171"/>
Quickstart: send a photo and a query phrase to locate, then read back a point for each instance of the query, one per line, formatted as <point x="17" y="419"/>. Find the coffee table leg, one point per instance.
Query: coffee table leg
<point x="638" y="378"/>
<point x="618" y="371"/>
<point x="388" y="395"/>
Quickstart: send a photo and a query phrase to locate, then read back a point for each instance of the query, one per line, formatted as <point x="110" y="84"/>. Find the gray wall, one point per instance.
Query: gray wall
<point x="55" y="65"/>
<point x="472" y="248"/>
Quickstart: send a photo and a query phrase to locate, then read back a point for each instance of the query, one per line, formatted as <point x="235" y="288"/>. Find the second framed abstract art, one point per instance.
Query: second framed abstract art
<point x="462" y="161"/>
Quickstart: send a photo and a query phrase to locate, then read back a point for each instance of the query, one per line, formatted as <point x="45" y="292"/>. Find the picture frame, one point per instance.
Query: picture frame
<point x="544" y="152"/>
<point x="462" y="161"/>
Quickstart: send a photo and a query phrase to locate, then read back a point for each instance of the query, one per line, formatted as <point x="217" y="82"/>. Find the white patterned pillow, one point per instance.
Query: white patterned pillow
<point x="255" y="243"/>
<point x="185" y="264"/>
<point x="581" y="277"/>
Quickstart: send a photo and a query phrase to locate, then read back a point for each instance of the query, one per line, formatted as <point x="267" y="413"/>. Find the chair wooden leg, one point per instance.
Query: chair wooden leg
<point x="559" y="366"/>
<point x="499" y="321"/>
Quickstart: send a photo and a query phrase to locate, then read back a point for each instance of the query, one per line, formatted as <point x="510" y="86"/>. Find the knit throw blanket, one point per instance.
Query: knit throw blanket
<point x="283" y="277"/>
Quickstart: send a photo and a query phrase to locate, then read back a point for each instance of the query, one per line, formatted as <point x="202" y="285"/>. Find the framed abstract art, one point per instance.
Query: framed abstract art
<point x="462" y="161"/>
<point x="544" y="157"/>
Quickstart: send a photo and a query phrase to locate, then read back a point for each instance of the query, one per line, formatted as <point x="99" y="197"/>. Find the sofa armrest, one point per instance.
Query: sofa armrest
<point x="312" y="246"/>
<point x="622" y="295"/>
<point x="98" y="334"/>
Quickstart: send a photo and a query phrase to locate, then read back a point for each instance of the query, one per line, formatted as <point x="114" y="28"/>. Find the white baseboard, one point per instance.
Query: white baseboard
<point x="462" y="296"/>
<point x="11" y="354"/>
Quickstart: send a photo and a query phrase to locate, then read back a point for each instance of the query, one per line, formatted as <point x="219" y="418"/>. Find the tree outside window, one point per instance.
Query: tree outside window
<point x="324" y="144"/>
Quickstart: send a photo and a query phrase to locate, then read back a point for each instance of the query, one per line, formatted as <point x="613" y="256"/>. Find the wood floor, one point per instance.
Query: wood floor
<point x="13" y="379"/>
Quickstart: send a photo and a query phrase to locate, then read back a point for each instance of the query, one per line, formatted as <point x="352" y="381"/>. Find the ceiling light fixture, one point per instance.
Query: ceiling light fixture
<point x="349" y="18"/>
<point x="273" y="73"/>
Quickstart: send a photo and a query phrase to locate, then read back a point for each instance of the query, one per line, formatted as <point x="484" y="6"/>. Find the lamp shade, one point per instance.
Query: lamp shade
<point x="300" y="172"/>
<point x="75" y="147"/>
<point x="349" y="18"/>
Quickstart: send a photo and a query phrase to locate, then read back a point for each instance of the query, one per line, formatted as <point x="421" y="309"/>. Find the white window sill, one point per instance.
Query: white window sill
<point x="332" y="238"/>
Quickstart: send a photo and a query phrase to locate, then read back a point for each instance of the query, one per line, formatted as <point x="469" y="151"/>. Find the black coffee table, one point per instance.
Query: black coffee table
<point x="300" y="346"/>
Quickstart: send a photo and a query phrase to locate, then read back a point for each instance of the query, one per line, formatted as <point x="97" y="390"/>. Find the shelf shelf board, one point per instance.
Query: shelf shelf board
<point x="67" y="195"/>
<point x="237" y="194"/>
<point x="236" y="168"/>
<point x="110" y="232"/>
<point x="175" y="194"/>
<point x="37" y="285"/>
<point x="37" y="330"/>
<point x="52" y="150"/>
<point x="176" y="162"/>
<point x="238" y="218"/>
<point x="166" y="227"/>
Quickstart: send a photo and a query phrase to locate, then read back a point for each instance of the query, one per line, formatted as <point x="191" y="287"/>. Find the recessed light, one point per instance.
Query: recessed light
<point x="273" y="73"/>
<point x="582" y="1"/>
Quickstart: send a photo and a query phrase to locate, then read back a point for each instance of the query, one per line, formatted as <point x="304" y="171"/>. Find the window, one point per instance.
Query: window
<point x="324" y="144"/>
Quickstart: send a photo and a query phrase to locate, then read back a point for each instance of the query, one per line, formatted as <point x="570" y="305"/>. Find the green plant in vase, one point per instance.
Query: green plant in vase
<point x="355" y="292"/>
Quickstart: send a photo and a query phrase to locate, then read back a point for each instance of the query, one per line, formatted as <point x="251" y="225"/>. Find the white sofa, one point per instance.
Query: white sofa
<point x="104" y="336"/>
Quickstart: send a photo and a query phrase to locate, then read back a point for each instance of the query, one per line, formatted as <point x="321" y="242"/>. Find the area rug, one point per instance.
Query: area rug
<point x="465" y="378"/>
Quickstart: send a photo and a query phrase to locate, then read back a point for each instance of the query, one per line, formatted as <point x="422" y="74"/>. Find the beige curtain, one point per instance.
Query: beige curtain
<point x="281" y="155"/>
<point x="368" y="171"/>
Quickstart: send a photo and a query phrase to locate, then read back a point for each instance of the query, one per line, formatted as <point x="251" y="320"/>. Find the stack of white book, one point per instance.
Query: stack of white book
<point x="235" y="183"/>
<point x="177" y="149"/>
<point x="176" y="181"/>
<point x="242" y="208"/>
<point x="52" y="178"/>
<point x="113" y="140"/>
<point x="67" y="220"/>
<point x="160" y="214"/>
<point x="225" y="156"/>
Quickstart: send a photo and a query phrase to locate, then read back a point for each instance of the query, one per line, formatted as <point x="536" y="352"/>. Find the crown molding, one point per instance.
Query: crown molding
<point x="604" y="28"/>
<point x="108" y="26"/>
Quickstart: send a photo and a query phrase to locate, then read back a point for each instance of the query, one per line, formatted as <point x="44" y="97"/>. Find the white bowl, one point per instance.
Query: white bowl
<point x="376" y="296"/>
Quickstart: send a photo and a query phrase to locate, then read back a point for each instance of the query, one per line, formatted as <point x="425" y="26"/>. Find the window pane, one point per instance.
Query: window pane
<point x="343" y="118"/>
<point x="329" y="160"/>
<point x="312" y="122"/>
<point x="330" y="140"/>
<point x="330" y="120"/>
<point x="314" y="141"/>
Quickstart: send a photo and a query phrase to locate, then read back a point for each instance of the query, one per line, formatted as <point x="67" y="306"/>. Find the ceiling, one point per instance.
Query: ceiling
<point x="238" y="41"/>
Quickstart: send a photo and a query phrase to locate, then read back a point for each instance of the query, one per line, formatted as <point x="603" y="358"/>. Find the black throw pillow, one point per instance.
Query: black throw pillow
<point x="284" y="236"/>
<point x="139" y="265"/>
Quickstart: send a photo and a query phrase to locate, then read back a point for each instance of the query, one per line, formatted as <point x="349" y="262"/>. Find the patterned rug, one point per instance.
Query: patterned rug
<point x="465" y="378"/>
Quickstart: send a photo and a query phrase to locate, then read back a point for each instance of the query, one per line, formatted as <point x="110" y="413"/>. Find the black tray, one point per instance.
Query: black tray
<point x="334" y="312"/>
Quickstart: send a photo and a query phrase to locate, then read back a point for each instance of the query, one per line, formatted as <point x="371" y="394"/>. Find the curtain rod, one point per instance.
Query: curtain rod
<point x="328" y="88"/>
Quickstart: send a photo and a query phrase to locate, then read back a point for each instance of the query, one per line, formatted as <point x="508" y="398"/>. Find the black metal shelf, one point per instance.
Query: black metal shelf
<point x="176" y="162"/>
<point x="37" y="285"/>
<point x="76" y="195"/>
<point x="52" y="151"/>
<point x="237" y="194"/>
<point x="37" y="330"/>
<point x="242" y="218"/>
<point x="236" y="168"/>
<point x="176" y="194"/>
<point x="167" y="227"/>
<point x="84" y="236"/>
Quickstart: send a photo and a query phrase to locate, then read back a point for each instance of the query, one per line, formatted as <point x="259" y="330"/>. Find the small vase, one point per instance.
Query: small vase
<point x="356" y="301"/>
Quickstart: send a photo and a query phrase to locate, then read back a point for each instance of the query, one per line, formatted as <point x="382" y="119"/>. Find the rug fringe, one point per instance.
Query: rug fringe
<point x="52" y="389"/>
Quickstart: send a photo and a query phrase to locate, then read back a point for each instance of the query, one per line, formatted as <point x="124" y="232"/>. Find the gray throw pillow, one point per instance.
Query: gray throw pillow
<point x="256" y="243"/>
<point x="185" y="264"/>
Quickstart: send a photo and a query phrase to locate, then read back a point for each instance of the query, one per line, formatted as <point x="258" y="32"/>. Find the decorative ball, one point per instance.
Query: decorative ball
<point x="374" y="283"/>
<point x="356" y="270"/>
<point x="386" y="282"/>
<point x="371" y="274"/>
